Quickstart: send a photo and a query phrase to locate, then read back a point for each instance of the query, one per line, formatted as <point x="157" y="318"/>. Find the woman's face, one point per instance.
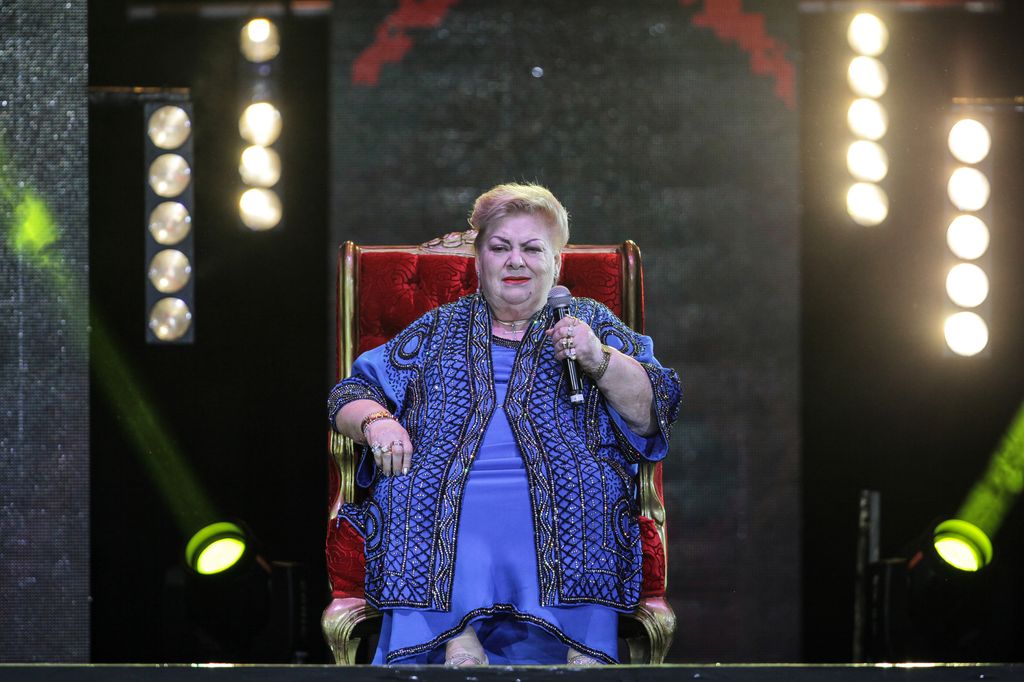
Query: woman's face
<point x="517" y="266"/>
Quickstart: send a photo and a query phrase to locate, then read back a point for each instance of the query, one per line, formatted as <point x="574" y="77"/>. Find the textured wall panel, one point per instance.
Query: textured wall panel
<point x="671" y="123"/>
<point x="44" y="396"/>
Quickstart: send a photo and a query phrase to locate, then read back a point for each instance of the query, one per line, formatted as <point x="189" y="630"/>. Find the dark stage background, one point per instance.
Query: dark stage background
<point x="808" y="347"/>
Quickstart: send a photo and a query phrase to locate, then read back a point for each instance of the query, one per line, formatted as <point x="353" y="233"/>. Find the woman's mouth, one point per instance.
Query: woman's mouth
<point x="515" y="280"/>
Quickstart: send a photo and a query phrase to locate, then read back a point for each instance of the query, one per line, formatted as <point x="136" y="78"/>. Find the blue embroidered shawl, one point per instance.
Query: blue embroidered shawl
<point x="435" y="376"/>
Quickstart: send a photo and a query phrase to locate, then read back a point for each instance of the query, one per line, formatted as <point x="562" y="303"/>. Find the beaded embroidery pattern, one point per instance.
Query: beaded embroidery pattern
<point x="438" y="382"/>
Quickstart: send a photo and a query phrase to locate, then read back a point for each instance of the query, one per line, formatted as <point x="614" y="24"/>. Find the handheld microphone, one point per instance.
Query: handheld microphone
<point x="559" y="299"/>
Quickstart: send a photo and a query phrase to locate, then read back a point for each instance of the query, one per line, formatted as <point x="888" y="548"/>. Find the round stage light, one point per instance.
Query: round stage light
<point x="260" y="123"/>
<point x="966" y="333"/>
<point x="962" y="545"/>
<point x="169" y="127"/>
<point x="215" y="548"/>
<point x="260" y="41"/>
<point x="967" y="285"/>
<point x="169" y="271"/>
<point x="169" y="175"/>
<point x="867" y="161"/>
<point x="867" y="35"/>
<point x="867" y="119"/>
<point x="169" y="222"/>
<point x="968" y="189"/>
<point x="967" y="237"/>
<point x="867" y="77"/>
<point x="969" y="140"/>
<point x="170" y="319"/>
<point x="260" y="166"/>
<point x="260" y="209"/>
<point x="867" y="204"/>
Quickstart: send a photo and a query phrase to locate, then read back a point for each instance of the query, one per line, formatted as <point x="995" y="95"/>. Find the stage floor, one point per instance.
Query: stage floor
<point x="915" y="672"/>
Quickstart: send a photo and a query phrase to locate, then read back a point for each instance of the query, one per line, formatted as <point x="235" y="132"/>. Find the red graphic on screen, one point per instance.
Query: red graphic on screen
<point x="393" y="40"/>
<point x="767" y="54"/>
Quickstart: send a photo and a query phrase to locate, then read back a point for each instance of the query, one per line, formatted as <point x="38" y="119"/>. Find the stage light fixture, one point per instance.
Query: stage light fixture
<point x="260" y="209"/>
<point x="867" y="204"/>
<point x="169" y="223"/>
<point x="169" y="127"/>
<point x="962" y="545"/>
<point x="867" y="161"/>
<point x="968" y="189"/>
<point x="969" y="141"/>
<point x="169" y="271"/>
<point x="260" y="123"/>
<point x="259" y="40"/>
<point x="867" y="119"/>
<point x="967" y="285"/>
<point x="867" y="35"/>
<point x="967" y="237"/>
<point x="170" y="319"/>
<point x="867" y="77"/>
<point x="169" y="175"/>
<point x="216" y="548"/>
<point x="168" y="219"/>
<point x="966" y="333"/>
<point x="260" y="166"/>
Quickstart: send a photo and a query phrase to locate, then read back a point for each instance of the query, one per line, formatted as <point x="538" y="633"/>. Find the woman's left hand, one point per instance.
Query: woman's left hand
<point x="573" y="338"/>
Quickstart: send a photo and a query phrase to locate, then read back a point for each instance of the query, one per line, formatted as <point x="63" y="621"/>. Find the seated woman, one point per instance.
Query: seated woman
<point x="501" y="524"/>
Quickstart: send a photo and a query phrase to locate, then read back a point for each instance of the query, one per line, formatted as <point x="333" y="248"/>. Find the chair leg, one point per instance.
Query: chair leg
<point x="659" y="621"/>
<point x="338" y="622"/>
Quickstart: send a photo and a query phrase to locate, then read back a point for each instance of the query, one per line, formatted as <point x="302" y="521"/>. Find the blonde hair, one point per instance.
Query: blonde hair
<point x="500" y="202"/>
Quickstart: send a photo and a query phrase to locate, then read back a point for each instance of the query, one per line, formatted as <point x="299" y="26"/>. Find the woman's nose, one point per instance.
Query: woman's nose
<point x="515" y="259"/>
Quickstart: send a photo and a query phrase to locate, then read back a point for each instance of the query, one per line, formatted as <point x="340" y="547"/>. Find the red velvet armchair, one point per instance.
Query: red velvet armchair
<point x="381" y="290"/>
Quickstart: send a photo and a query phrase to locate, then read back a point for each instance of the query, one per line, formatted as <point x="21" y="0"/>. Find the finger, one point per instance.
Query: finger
<point x="406" y="458"/>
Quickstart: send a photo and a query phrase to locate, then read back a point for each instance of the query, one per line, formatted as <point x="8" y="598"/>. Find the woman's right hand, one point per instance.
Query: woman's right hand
<point x="391" y="447"/>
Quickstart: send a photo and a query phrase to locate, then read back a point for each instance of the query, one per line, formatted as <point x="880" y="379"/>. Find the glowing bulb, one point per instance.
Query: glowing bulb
<point x="867" y="77"/>
<point x="867" y="204"/>
<point x="966" y="333"/>
<point x="868" y="35"/>
<point x="260" y="209"/>
<point x="867" y="119"/>
<point x="967" y="237"/>
<point x="967" y="285"/>
<point x="220" y="555"/>
<point x="169" y="175"/>
<point x="260" y="123"/>
<point x="169" y="271"/>
<point x="968" y="189"/>
<point x="867" y="161"/>
<point x="169" y="127"/>
<point x="260" y="41"/>
<point x="260" y="166"/>
<point x="170" y="319"/>
<point x="969" y="140"/>
<point x="169" y="222"/>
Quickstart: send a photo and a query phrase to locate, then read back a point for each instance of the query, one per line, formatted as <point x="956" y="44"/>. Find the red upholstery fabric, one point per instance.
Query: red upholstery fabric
<point x="653" y="567"/>
<point x="395" y="288"/>
<point x="346" y="563"/>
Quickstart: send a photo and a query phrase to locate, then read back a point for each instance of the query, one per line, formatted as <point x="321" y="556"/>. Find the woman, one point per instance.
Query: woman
<point x="501" y="526"/>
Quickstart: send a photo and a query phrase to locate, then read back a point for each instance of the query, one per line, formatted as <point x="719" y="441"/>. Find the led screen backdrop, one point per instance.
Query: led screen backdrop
<point x="670" y="123"/>
<point x="44" y="409"/>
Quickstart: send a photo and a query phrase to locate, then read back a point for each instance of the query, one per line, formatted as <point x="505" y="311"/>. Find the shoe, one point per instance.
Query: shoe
<point x="576" y="658"/>
<point x="464" y="659"/>
<point x="457" y="654"/>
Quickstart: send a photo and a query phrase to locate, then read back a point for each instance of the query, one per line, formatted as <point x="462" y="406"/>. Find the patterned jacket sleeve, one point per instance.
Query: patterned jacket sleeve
<point x="664" y="386"/>
<point x="375" y="378"/>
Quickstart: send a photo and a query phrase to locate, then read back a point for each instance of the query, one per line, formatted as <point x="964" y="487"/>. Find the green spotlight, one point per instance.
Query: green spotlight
<point x="215" y="548"/>
<point x="962" y="545"/>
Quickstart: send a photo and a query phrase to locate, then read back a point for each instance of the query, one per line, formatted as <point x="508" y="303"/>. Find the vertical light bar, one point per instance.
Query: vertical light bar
<point x="260" y="124"/>
<point x="170" y="253"/>
<point x="968" y="231"/>
<point x="866" y="201"/>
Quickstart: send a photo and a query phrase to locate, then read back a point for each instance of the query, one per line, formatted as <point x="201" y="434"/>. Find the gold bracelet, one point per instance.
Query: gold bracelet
<point x="374" y="417"/>
<point x="603" y="367"/>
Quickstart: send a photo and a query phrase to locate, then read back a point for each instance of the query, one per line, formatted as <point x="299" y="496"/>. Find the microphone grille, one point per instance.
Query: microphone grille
<point x="559" y="296"/>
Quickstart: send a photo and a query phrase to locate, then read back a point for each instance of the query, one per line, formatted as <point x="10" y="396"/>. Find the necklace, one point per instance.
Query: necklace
<point x="511" y="325"/>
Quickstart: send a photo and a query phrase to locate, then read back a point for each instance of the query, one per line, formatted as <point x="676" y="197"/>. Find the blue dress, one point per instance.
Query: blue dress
<point x="496" y="586"/>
